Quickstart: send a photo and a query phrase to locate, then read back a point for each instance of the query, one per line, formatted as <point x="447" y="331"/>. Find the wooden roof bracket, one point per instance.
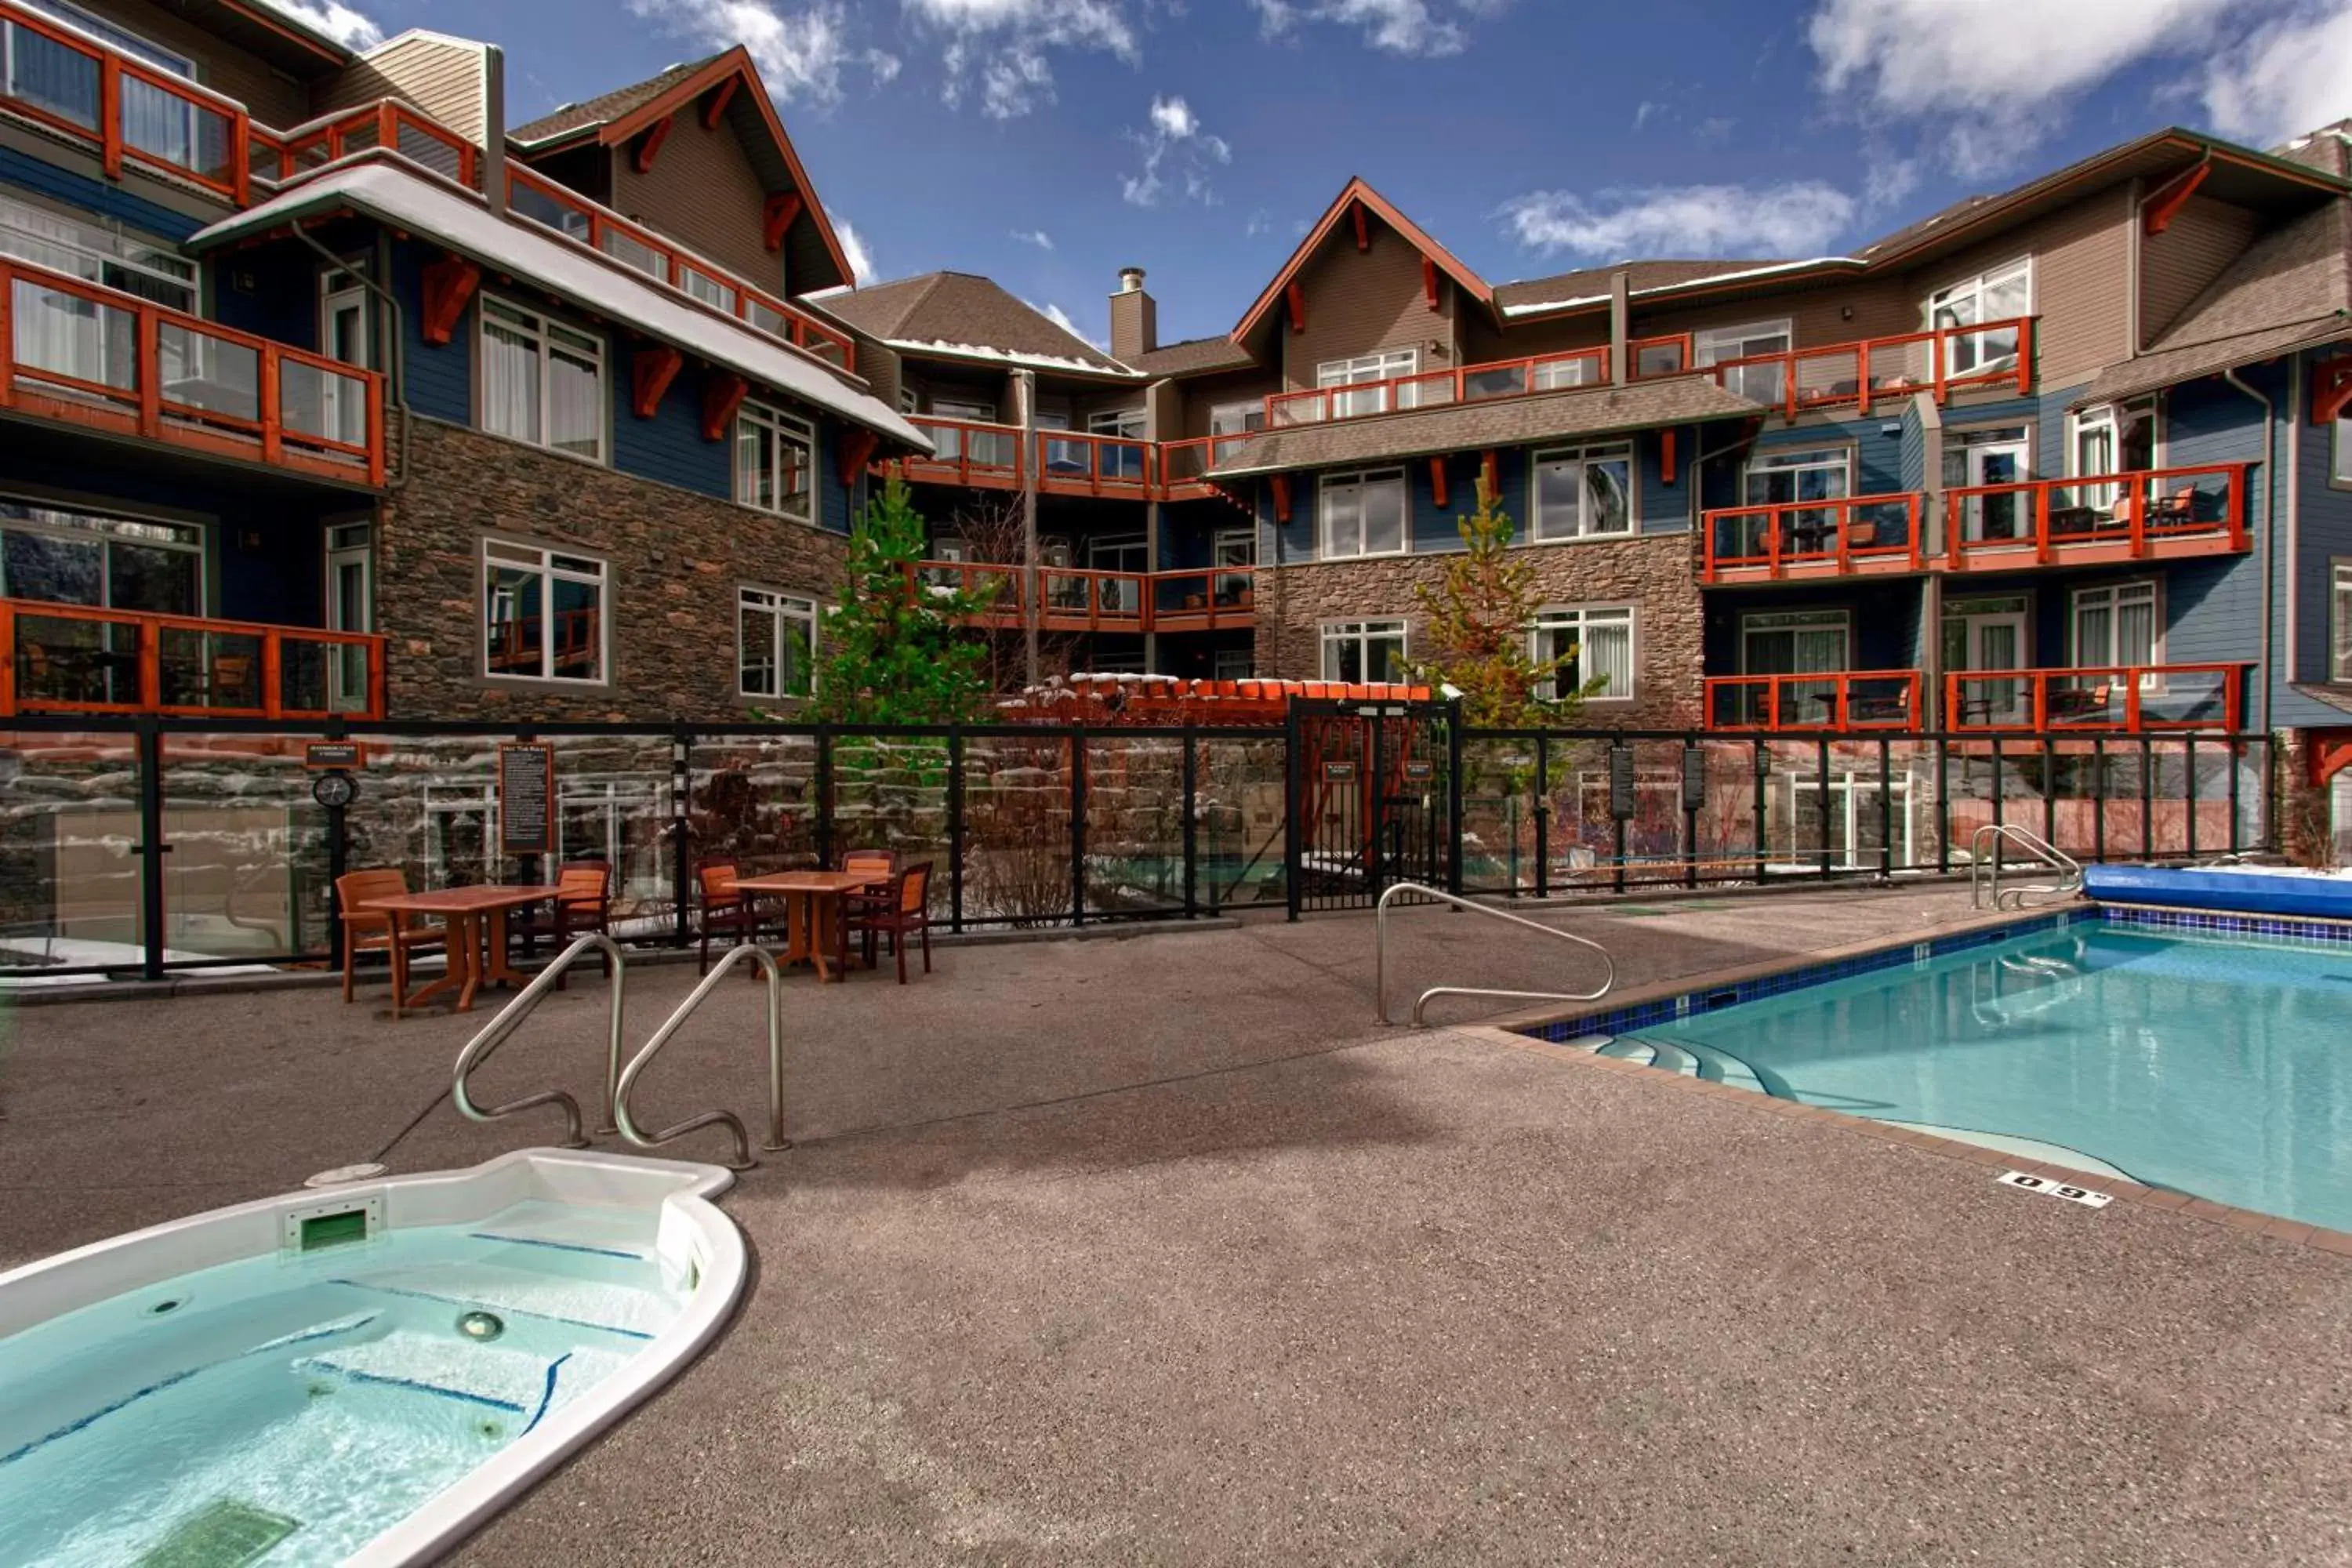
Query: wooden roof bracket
<point x="650" y="374"/>
<point x="1363" y="232"/>
<point x="1429" y="281"/>
<point x="2331" y="389"/>
<point x="450" y="285"/>
<point x="1437" y="481"/>
<point x="2165" y="204"/>
<point x="854" y="452"/>
<point x="783" y="210"/>
<point x="649" y="146"/>
<point x="722" y="395"/>
<point x="1297" y="294"/>
<point x="716" y="110"/>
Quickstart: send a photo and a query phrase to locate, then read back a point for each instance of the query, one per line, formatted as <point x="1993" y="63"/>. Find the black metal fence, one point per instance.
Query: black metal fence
<point x="148" y="845"/>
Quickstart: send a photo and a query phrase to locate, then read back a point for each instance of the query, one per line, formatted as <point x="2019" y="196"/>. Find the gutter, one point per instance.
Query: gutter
<point x="2270" y="541"/>
<point x="398" y="375"/>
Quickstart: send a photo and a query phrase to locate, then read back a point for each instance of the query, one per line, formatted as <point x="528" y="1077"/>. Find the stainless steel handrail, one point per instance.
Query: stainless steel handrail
<point x="511" y="1017"/>
<point x="733" y="1123"/>
<point x="1982" y="874"/>
<point x="1380" y="956"/>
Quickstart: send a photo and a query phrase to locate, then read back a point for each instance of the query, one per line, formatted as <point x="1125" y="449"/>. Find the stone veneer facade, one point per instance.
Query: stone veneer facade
<point x="1653" y="573"/>
<point x="677" y="559"/>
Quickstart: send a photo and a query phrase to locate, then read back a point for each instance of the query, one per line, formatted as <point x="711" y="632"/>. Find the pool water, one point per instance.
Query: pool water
<point x="2214" y="1066"/>
<point x="286" y="1410"/>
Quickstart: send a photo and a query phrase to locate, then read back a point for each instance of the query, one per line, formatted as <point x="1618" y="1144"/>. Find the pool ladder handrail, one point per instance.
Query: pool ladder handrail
<point x="1985" y="876"/>
<point x="509" y="1018"/>
<point x="777" y="1141"/>
<point x="1419" y="890"/>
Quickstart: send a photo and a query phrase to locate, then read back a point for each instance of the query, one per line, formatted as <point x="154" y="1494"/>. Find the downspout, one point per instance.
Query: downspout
<point x="2274" y="583"/>
<point x="399" y="371"/>
<point x="1742" y="436"/>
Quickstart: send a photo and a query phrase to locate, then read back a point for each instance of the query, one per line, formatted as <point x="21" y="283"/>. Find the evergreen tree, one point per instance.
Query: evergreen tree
<point x="895" y="652"/>
<point x="1477" y="620"/>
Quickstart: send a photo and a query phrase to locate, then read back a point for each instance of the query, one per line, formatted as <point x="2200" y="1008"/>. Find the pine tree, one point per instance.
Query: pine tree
<point x="895" y="652"/>
<point x="1476" y="625"/>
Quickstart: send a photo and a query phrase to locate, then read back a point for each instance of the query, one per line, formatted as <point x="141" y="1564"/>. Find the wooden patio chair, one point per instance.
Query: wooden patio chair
<point x="396" y="935"/>
<point x="723" y="907"/>
<point x="584" y="903"/>
<point x="884" y="861"/>
<point x="233" y="676"/>
<point x="903" y="912"/>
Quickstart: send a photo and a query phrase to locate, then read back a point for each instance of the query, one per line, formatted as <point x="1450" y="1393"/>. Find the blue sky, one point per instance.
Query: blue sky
<point x="1048" y="142"/>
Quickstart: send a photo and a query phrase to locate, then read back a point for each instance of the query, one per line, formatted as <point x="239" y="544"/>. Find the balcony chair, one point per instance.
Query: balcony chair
<point x="233" y="682"/>
<point x="884" y="862"/>
<point x="722" y="907"/>
<point x="584" y="903"/>
<point x="397" y="935"/>
<point x="903" y="911"/>
<point x="2178" y="508"/>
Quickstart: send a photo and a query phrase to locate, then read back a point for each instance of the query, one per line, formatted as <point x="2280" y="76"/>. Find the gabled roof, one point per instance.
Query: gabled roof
<point x="1357" y="191"/>
<point x="2292" y="287"/>
<point x="1589" y="285"/>
<point x="960" y="315"/>
<point x="616" y="116"/>
<point x="1194" y="356"/>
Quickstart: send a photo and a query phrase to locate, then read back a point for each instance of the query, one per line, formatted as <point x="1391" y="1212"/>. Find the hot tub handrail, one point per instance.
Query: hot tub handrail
<point x="1984" y="876"/>
<point x="509" y="1018"/>
<point x="1380" y="956"/>
<point x="777" y="1141"/>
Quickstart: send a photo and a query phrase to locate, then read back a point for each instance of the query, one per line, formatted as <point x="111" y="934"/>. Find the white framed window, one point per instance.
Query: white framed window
<point x="1386" y="365"/>
<point x="1582" y="492"/>
<point x="1363" y="514"/>
<point x="1998" y="294"/>
<point x="1238" y="418"/>
<point x="154" y="121"/>
<point x="60" y="555"/>
<point x="775" y="462"/>
<point x="545" y="613"/>
<point x="1127" y="424"/>
<point x="964" y="409"/>
<point x="1758" y="383"/>
<point x="542" y="382"/>
<point x="1588" y="644"/>
<point x="118" y="258"/>
<point x="1358" y="651"/>
<point x="1123" y="424"/>
<point x="2115" y="624"/>
<point x="1795" y="642"/>
<point x="1785" y="478"/>
<point x="2340" y="622"/>
<point x="775" y="643"/>
<point x="702" y="285"/>
<point x="2110" y="438"/>
<point x="2341" y="471"/>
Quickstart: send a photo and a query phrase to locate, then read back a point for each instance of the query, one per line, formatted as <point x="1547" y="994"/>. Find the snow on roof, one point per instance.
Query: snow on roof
<point x="1543" y="305"/>
<point x="415" y="199"/>
<point x="1708" y="281"/>
<point x="1007" y="356"/>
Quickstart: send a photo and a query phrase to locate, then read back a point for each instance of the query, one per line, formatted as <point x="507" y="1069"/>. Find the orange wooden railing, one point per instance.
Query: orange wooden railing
<point x="91" y="355"/>
<point x="71" y="658"/>
<point x="1076" y="462"/>
<point x="130" y="111"/>
<point x="1749" y="541"/>
<point x="1077" y="600"/>
<point x="1184" y="465"/>
<point x="2118" y="699"/>
<point x="1208" y="600"/>
<point x="2125" y="515"/>
<point x="1438" y="388"/>
<point x="966" y="452"/>
<point x="573" y="216"/>
<point x="1855" y="374"/>
<point x="386" y="124"/>
<point x="1832" y="700"/>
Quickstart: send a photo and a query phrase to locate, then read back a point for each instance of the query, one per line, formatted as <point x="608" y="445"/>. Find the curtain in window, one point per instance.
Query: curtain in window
<point x="1611" y="485"/>
<point x="754" y="481"/>
<point x="509" y="384"/>
<point x="575" y="410"/>
<point x="50" y="77"/>
<point x="1608" y="650"/>
<point x="74" y="336"/>
<point x="1383" y="515"/>
<point x="2135" y="631"/>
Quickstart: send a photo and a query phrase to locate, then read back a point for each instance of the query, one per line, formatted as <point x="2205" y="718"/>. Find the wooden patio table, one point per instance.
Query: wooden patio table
<point x="813" y="910"/>
<point x="471" y="912"/>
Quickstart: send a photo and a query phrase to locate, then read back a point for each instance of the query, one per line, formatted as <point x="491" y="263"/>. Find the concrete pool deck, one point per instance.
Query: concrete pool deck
<point x="1160" y="1251"/>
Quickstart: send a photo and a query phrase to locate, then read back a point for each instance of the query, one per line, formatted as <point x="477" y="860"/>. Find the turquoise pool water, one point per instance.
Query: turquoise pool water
<point x="287" y="1409"/>
<point x="2213" y="1067"/>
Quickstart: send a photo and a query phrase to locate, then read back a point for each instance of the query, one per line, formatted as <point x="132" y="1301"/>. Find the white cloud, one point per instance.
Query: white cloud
<point x="1802" y="217"/>
<point x="1037" y="237"/>
<point x="2293" y="76"/>
<point x="1984" y="93"/>
<point x="1175" y="151"/>
<point x="800" y="53"/>
<point x="853" y="246"/>
<point x="1004" y="43"/>
<point x="1061" y="318"/>
<point x="340" y="22"/>
<point x="1397" y="26"/>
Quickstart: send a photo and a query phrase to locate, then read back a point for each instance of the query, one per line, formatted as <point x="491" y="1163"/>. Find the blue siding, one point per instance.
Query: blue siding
<point x="1885" y="617"/>
<point x="1878" y="459"/>
<point x="1911" y="461"/>
<point x="2213" y="608"/>
<point x="272" y="293"/>
<point x="668" y="447"/>
<point x="2322" y="532"/>
<point x="31" y="174"/>
<point x="440" y="375"/>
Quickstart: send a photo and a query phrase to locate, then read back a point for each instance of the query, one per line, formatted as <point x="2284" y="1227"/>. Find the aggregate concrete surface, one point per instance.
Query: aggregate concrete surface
<point x="1163" y="1251"/>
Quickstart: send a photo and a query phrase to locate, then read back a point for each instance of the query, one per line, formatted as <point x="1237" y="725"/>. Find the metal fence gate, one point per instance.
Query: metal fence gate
<point x="1373" y="789"/>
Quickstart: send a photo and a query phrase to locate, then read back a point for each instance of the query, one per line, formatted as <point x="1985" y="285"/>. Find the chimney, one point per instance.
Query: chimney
<point x="1134" y="316"/>
<point x="494" y="128"/>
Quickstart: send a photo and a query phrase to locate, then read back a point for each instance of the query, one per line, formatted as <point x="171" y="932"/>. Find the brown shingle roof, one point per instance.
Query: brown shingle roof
<point x="1592" y="282"/>
<point x="1194" y="356"/>
<point x="2291" y="286"/>
<point x="946" y="310"/>
<point x="609" y="106"/>
<point x="1591" y="411"/>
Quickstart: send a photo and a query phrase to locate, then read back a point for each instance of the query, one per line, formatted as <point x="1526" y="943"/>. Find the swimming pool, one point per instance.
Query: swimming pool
<point x="2217" y="1065"/>
<point x="358" y="1374"/>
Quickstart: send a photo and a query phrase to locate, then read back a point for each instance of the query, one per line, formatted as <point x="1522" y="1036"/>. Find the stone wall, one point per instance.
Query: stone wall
<point x="1653" y="573"/>
<point x="677" y="560"/>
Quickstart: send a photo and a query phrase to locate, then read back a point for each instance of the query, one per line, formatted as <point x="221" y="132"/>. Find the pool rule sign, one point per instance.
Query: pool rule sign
<point x="527" y="799"/>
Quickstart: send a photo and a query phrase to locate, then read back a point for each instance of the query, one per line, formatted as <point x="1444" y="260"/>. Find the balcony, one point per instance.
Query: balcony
<point x="2120" y="700"/>
<point x="1071" y="600"/>
<point x="130" y="113"/>
<point x="1439" y="388"/>
<point x="1184" y="465"/>
<point x="1847" y="537"/>
<point x="600" y="229"/>
<point x="1070" y="463"/>
<point x="1815" y="702"/>
<point x="281" y="155"/>
<point x="2105" y="519"/>
<point x="89" y="356"/>
<point x="1868" y="373"/>
<point x="966" y="452"/>
<point x="68" y="658"/>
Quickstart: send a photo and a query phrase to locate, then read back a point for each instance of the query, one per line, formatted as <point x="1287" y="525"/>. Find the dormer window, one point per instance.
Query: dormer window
<point x="1383" y="367"/>
<point x="2003" y="294"/>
